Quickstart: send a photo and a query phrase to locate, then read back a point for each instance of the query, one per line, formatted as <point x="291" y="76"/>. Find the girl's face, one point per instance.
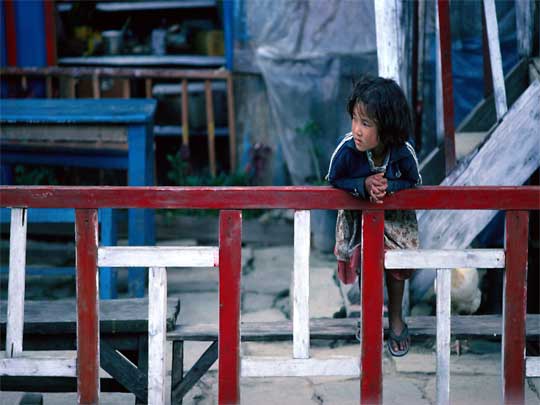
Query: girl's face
<point x="364" y="130"/>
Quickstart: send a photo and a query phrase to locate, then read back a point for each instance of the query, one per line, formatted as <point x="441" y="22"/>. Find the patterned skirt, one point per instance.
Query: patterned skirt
<point x="400" y="232"/>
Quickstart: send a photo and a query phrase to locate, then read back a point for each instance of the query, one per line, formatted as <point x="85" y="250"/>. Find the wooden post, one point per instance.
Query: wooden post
<point x="439" y="111"/>
<point x="514" y="307"/>
<point x="96" y="90"/>
<point x="126" y="89"/>
<point x="524" y="27"/>
<point x="444" y="286"/>
<point x="300" y="285"/>
<point x="211" y="127"/>
<point x="372" y="307"/>
<point x="231" y="123"/>
<point x="157" y="331"/>
<point x="148" y="88"/>
<point x="386" y="29"/>
<point x="230" y="272"/>
<point x="10" y="32"/>
<point x="16" y="284"/>
<point x="48" y="86"/>
<point x="185" y="113"/>
<point x="447" y="87"/>
<point x="492" y="30"/>
<point x="488" y="77"/>
<point x="70" y="83"/>
<point x="49" y="13"/>
<point x="86" y="228"/>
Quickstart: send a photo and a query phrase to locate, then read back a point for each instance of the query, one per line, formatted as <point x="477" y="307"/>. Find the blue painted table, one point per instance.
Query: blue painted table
<point x="103" y="133"/>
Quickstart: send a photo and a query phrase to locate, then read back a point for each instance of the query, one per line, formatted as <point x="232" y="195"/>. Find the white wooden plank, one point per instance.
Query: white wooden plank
<point x="157" y="324"/>
<point x="524" y="27"/>
<point x="284" y="367"/>
<point x="16" y="285"/>
<point x="532" y="366"/>
<point x="448" y="258"/>
<point x="387" y="34"/>
<point x="158" y="256"/>
<point x="444" y="284"/>
<point x="492" y="29"/>
<point x="300" y="285"/>
<point x="508" y="157"/>
<point x="34" y="366"/>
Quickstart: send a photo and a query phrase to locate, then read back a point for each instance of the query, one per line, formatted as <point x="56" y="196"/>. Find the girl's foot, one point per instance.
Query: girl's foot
<point x="398" y="341"/>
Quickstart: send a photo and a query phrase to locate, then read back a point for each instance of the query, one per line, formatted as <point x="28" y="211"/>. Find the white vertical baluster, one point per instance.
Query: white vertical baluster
<point x="17" y="263"/>
<point x="495" y="58"/>
<point x="157" y="324"/>
<point x="300" y="285"/>
<point x="444" y="283"/>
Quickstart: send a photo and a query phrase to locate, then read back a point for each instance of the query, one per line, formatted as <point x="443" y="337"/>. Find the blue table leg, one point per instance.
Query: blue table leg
<point x="141" y="222"/>
<point x="108" y="275"/>
<point x="6" y="174"/>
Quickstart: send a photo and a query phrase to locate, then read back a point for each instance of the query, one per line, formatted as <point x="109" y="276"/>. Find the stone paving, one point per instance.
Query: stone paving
<point x="475" y="374"/>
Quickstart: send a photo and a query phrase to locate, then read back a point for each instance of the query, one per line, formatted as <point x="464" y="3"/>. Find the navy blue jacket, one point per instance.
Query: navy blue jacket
<point x="349" y="168"/>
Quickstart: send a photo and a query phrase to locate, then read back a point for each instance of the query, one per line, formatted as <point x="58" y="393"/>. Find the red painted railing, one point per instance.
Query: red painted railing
<point x="517" y="200"/>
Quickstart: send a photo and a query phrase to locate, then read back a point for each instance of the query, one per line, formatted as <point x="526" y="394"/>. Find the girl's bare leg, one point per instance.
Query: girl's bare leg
<point x="395" y="289"/>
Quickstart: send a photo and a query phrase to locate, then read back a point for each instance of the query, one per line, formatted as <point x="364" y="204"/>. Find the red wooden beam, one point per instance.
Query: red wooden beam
<point x="86" y="227"/>
<point x="50" y="31"/>
<point x="230" y="271"/>
<point x="11" y="32"/>
<point x="436" y="197"/>
<point x="372" y="307"/>
<point x="447" y="89"/>
<point x="515" y="303"/>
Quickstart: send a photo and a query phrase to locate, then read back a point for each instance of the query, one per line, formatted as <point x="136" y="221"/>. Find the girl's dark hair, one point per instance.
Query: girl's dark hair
<point x="384" y="103"/>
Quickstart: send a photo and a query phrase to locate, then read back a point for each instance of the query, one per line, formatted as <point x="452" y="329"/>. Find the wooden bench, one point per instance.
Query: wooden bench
<point x="51" y="325"/>
<point x="485" y="326"/>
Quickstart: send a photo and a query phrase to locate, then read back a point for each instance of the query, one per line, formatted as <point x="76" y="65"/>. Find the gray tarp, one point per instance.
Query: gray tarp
<point x="307" y="52"/>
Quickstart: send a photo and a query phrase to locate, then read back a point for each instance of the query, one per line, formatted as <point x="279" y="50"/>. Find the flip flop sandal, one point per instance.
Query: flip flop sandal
<point x="392" y="337"/>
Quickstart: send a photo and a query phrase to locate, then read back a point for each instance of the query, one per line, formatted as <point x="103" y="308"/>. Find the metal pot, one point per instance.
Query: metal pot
<point x="113" y="41"/>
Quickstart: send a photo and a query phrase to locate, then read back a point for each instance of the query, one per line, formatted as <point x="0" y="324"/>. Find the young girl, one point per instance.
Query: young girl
<point x="372" y="161"/>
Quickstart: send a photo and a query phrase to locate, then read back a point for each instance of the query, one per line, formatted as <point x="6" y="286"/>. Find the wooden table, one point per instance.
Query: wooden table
<point x="51" y="325"/>
<point x="104" y="133"/>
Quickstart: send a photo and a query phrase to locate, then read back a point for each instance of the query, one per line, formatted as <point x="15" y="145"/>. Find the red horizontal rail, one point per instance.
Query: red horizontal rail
<point x="437" y="197"/>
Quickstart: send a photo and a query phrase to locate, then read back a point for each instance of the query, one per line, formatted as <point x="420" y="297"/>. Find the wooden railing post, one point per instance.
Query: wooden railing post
<point x="86" y="228"/>
<point x="210" y="124"/>
<point x="514" y="307"/>
<point x="16" y="282"/>
<point x="372" y="307"/>
<point x="447" y="86"/>
<point x="230" y="271"/>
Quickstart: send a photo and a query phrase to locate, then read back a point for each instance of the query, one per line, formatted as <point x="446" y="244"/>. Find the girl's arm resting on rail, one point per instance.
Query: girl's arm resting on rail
<point x="410" y="176"/>
<point x="355" y="186"/>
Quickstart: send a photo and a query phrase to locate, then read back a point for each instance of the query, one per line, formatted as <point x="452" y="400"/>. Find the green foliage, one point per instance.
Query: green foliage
<point x="312" y="131"/>
<point x="180" y="175"/>
<point x="38" y="176"/>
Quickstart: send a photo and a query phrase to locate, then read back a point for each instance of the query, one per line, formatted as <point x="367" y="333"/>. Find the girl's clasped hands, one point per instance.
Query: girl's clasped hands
<point x="376" y="186"/>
